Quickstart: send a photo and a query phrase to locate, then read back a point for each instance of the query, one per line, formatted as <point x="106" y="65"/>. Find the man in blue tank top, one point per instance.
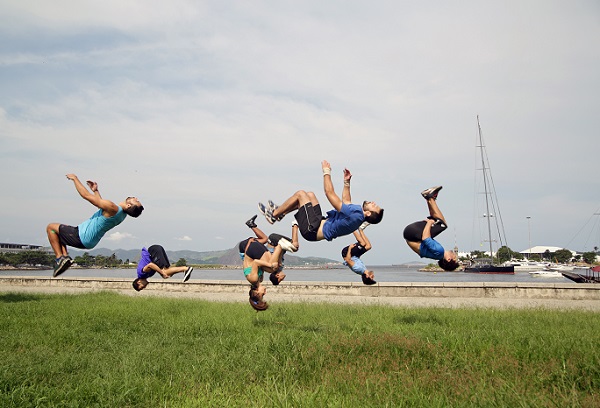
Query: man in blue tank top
<point x="343" y="220"/>
<point x="87" y="234"/>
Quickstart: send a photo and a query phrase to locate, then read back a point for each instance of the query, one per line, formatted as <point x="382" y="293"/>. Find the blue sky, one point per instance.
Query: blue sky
<point x="203" y="108"/>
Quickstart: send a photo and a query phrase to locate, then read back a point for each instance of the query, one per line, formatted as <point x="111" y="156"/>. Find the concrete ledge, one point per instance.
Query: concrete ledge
<point x="486" y="290"/>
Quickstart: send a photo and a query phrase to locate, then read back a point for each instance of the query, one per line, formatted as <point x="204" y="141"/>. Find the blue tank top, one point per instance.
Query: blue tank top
<point x="92" y="230"/>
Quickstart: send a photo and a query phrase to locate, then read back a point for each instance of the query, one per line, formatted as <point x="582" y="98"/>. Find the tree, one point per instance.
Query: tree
<point x="563" y="256"/>
<point x="589" y="257"/>
<point x="84" y="260"/>
<point x="547" y="255"/>
<point x="504" y="254"/>
<point x="477" y="254"/>
<point x="518" y="255"/>
<point x="181" y="262"/>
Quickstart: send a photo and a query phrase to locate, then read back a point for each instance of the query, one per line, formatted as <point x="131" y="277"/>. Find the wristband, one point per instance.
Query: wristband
<point x="347" y="183"/>
<point x="326" y="171"/>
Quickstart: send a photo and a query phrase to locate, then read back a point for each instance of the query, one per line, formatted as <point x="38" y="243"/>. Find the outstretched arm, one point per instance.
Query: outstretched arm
<point x="346" y="199"/>
<point x="107" y="206"/>
<point x="333" y="198"/>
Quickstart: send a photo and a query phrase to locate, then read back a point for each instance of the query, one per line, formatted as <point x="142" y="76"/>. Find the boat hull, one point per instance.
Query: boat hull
<point x="490" y="269"/>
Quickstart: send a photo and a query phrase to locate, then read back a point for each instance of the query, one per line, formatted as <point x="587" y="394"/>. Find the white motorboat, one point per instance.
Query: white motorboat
<point x="546" y="274"/>
<point x="559" y="268"/>
<point x="526" y="266"/>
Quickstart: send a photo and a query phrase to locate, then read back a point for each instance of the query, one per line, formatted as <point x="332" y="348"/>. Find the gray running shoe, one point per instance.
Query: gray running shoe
<point x="267" y="213"/>
<point x="431" y="192"/>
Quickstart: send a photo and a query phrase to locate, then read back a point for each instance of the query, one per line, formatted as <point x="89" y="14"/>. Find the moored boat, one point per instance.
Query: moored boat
<point x="488" y="266"/>
<point x="546" y="274"/>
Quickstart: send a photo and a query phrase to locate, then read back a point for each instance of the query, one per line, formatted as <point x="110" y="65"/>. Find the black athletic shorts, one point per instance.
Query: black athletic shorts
<point x="357" y="250"/>
<point x="255" y="249"/>
<point x="69" y="236"/>
<point x="414" y="231"/>
<point x="309" y="219"/>
<point x="274" y="239"/>
<point x="159" y="256"/>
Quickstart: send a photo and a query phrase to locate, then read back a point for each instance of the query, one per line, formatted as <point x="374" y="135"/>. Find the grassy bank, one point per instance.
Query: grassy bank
<point x="112" y="350"/>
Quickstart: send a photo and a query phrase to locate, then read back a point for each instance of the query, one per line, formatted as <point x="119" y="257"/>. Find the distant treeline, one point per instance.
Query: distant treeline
<point x="561" y="256"/>
<point x="41" y="258"/>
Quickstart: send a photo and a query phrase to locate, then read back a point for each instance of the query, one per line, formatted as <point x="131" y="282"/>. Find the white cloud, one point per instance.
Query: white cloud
<point x="118" y="236"/>
<point x="202" y="110"/>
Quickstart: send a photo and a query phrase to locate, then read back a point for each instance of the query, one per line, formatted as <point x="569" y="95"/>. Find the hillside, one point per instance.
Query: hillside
<point x="223" y="257"/>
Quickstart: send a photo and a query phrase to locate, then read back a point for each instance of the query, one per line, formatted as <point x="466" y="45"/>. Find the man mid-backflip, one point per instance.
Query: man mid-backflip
<point x="344" y="219"/>
<point x="87" y="234"/>
<point x="352" y="254"/>
<point x="419" y="235"/>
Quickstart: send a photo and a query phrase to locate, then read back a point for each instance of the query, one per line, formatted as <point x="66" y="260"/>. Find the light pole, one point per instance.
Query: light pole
<point x="529" y="230"/>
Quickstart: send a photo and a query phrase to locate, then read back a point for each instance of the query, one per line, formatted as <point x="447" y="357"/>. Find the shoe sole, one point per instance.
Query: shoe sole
<point x="62" y="267"/>
<point x="431" y="192"/>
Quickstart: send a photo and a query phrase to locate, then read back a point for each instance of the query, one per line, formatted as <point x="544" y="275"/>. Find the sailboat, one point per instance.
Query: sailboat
<point x="488" y="186"/>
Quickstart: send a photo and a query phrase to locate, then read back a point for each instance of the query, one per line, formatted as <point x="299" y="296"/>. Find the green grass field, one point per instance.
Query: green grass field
<point x="112" y="350"/>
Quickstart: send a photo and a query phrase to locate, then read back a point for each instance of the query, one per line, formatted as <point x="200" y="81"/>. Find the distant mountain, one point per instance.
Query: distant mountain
<point x="223" y="257"/>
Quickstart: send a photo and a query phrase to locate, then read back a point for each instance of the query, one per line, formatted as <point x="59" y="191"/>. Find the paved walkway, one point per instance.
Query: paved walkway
<point x="430" y="295"/>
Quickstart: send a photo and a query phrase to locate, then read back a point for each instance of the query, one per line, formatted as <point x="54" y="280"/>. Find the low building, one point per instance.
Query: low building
<point x="10" y="247"/>
<point x="541" y="250"/>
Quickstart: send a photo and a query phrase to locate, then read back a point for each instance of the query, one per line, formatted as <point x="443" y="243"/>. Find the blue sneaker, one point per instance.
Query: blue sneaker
<point x="272" y="205"/>
<point x="267" y="213"/>
<point x="62" y="264"/>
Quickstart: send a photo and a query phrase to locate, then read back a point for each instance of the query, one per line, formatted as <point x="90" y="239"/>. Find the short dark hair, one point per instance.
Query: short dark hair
<point x="273" y="278"/>
<point x="448" y="265"/>
<point x="367" y="281"/>
<point x="134" y="211"/>
<point x="374" y="218"/>
<point x="136" y="284"/>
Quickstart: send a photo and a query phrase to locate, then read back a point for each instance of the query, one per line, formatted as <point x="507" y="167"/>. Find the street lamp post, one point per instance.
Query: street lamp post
<point x="529" y="230"/>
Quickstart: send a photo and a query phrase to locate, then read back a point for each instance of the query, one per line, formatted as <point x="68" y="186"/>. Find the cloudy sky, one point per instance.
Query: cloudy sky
<point x="203" y="108"/>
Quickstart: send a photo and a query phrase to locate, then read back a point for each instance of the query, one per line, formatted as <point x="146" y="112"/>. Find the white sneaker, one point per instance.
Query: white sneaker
<point x="287" y="245"/>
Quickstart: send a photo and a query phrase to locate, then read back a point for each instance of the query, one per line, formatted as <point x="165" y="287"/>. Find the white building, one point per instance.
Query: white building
<point x="541" y="250"/>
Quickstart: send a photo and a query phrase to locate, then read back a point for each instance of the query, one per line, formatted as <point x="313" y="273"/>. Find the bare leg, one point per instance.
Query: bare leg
<point x="434" y="210"/>
<point x="260" y="236"/>
<point x="295" y="241"/>
<point x="57" y="247"/>
<point x="296" y="201"/>
<point x="173" y="270"/>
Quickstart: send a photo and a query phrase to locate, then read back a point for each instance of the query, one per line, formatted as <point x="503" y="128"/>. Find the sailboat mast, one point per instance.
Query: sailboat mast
<point x="485" y="187"/>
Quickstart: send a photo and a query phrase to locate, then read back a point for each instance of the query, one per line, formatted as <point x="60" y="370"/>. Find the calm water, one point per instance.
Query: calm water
<point x="382" y="274"/>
